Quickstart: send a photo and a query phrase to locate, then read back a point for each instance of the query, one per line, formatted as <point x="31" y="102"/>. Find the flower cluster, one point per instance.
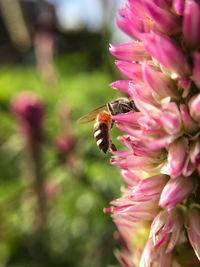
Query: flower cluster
<point x="158" y="215"/>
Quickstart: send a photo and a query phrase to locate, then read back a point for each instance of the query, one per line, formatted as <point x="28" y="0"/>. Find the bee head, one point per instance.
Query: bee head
<point x="121" y="105"/>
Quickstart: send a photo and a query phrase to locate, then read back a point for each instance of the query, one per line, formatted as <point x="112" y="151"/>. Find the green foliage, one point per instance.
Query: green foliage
<point x="78" y="233"/>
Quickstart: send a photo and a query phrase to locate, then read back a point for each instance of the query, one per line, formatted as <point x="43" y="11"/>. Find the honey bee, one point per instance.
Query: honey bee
<point x="103" y="121"/>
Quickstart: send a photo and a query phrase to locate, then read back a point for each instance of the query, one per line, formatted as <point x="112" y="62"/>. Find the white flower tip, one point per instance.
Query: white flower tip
<point x="113" y="85"/>
<point x="174" y="76"/>
<point x="111" y="47"/>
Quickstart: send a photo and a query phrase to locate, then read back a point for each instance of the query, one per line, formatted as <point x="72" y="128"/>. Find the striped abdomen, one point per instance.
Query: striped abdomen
<point x="102" y="131"/>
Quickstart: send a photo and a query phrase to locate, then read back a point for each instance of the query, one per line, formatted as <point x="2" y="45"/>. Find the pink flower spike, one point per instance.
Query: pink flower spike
<point x="193" y="230"/>
<point x="133" y="51"/>
<point x="121" y="85"/>
<point x="168" y="54"/>
<point x="177" y="156"/>
<point x="178" y="6"/>
<point x="191" y="22"/>
<point x="175" y="191"/>
<point x="189" y="124"/>
<point x="195" y="75"/>
<point x="194" y="107"/>
<point x="166" y="20"/>
<point x="131" y="70"/>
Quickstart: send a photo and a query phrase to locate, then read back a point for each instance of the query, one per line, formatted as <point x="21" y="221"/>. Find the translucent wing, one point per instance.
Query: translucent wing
<point x="91" y="115"/>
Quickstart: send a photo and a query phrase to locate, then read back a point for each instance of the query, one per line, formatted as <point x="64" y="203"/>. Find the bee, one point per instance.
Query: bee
<point x="103" y="121"/>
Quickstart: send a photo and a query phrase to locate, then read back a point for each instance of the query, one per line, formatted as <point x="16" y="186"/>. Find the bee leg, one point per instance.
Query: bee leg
<point x="112" y="124"/>
<point x="113" y="147"/>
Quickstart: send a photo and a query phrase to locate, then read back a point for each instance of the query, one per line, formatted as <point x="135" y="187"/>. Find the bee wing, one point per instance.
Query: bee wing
<point x="91" y="115"/>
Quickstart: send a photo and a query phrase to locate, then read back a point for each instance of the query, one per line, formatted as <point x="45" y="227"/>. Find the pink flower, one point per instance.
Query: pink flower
<point x="29" y="110"/>
<point x="161" y="163"/>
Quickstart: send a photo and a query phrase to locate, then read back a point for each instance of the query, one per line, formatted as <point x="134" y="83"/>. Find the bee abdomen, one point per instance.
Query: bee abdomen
<point x="101" y="134"/>
<point x="102" y="131"/>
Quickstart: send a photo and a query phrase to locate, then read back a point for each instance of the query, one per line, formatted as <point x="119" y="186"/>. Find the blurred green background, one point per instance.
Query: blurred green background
<point x="70" y="71"/>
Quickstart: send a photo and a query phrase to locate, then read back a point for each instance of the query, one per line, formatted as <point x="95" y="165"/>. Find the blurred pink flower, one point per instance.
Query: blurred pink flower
<point x="161" y="163"/>
<point x="29" y="110"/>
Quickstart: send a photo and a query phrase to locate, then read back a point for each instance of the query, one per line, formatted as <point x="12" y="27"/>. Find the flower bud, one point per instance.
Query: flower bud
<point x="189" y="124"/>
<point x="194" y="107"/>
<point x="175" y="191"/>
<point x="191" y="22"/>
<point x="193" y="230"/>
<point x="177" y="156"/>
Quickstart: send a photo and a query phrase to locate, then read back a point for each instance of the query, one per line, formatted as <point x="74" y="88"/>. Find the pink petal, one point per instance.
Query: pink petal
<point x="191" y="22"/>
<point x="184" y="83"/>
<point x="158" y="223"/>
<point x="167" y="21"/>
<point x="178" y="6"/>
<point x="195" y="152"/>
<point x="194" y="107"/>
<point x="149" y="188"/>
<point x="195" y="75"/>
<point x="193" y="230"/>
<point x="129" y="177"/>
<point x="188" y="168"/>
<point x="143" y="98"/>
<point x="189" y="124"/>
<point x="137" y="23"/>
<point x="170" y="118"/>
<point x="162" y="85"/>
<point x="166" y="53"/>
<point x="159" y="142"/>
<point x="133" y="51"/>
<point x="129" y="118"/>
<point x="121" y="85"/>
<point x="131" y="70"/>
<point x="177" y="156"/>
<point x="122" y="24"/>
